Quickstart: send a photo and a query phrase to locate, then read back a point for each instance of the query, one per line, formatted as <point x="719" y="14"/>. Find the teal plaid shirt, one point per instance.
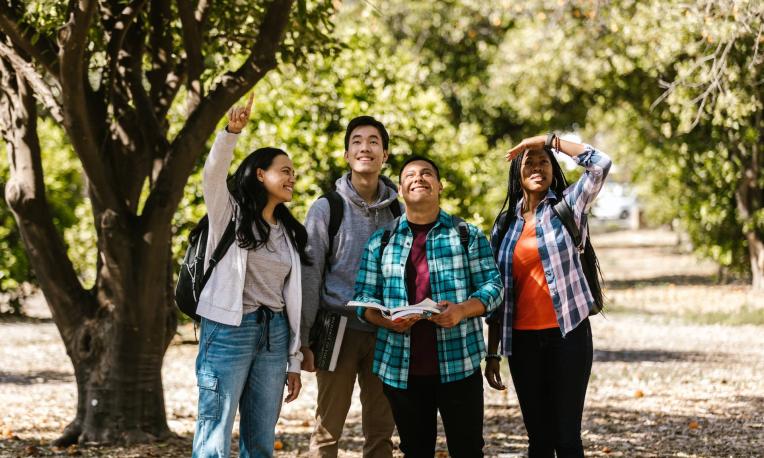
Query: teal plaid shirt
<point x="455" y="276"/>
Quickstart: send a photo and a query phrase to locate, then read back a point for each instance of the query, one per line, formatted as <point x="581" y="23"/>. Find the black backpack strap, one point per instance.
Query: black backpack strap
<point x="395" y="209"/>
<point x="389" y="228"/>
<point x="501" y="226"/>
<point x="220" y="250"/>
<point x="565" y="213"/>
<point x="336" y="213"/>
<point x="464" y="233"/>
<point x="589" y="262"/>
<point x="464" y="238"/>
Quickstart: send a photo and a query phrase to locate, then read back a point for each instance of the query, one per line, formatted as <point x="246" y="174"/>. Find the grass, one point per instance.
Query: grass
<point x="744" y="315"/>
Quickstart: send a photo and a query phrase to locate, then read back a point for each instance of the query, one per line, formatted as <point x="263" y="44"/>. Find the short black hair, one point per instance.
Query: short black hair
<point x="367" y="121"/>
<point x="418" y="158"/>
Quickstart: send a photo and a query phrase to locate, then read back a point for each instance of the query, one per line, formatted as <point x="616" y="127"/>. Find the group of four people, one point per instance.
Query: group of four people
<point x="263" y="297"/>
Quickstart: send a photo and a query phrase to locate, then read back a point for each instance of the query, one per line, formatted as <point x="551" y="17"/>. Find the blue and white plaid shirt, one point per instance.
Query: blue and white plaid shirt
<point x="454" y="277"/>
<point x="570" y="292"/>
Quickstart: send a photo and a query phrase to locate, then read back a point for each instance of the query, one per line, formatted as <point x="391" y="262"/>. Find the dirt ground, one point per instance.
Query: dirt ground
<point x="671" y="377"/>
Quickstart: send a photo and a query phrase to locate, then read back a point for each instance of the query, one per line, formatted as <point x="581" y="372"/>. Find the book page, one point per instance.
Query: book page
<point x="427" y="304"/>
<point x="404" y="312"/>
<point x="370" y="305"/>
<point x="426" y="307"/>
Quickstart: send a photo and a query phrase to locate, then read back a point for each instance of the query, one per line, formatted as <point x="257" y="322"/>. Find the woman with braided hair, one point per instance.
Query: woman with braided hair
<point x="543" y="324"/>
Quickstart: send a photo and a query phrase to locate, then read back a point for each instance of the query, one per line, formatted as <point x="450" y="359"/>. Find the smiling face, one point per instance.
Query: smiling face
<point x="365" y="153"/>
<point x="536" y="171"/>
<point x="420" y="185"/>
<point x="278" y="179"/>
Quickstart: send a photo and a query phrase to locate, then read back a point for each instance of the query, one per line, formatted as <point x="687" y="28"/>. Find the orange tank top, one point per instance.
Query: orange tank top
<point x="533" y="303"/>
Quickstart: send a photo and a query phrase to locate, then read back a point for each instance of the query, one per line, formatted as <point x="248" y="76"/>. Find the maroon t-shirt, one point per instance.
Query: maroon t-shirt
<point x="424" y="348"/>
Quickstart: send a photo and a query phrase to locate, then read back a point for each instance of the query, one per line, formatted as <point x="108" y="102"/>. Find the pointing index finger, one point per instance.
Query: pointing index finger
<point x="249" y="101"/>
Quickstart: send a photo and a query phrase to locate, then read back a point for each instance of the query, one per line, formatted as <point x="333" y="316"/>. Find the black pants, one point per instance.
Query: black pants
<point x="415" y="411"/>
<point x="550" y="374"/>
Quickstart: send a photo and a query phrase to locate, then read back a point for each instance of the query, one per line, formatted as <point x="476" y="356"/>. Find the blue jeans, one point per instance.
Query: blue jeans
<point x="235" y="368"/>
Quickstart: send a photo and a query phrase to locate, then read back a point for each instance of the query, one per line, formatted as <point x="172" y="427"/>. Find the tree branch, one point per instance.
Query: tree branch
<point x="154" y="142"/>
<point x="188" y="144"/>
<point x="79" y="121"/>
<point x="25" y="193"/>
<point x="164" y="84"/>
<point x="41" y="87"/>
<point x="120" y="25"/>
<point x="192" y="41"/>
<point x="42" y="48"/>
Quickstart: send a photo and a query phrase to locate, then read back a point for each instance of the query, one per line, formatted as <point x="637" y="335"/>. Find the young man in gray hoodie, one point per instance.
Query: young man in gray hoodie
<point x="367" y="197"/>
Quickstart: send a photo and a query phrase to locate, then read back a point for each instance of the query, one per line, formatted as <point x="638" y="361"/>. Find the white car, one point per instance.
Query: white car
<point x="616" y="201"/>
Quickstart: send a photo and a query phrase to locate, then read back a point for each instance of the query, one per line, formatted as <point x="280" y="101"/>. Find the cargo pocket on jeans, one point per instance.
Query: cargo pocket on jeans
<point x="209" y="396"/>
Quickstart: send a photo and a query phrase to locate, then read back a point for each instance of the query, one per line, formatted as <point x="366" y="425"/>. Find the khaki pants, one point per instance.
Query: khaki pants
<point x="335" y="390"/>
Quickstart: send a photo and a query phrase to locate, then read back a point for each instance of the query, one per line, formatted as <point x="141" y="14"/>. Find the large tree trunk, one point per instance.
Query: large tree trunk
<point x="117" y="355"/>
<point x="118" y="352"/>
<point x="119" y="384"/>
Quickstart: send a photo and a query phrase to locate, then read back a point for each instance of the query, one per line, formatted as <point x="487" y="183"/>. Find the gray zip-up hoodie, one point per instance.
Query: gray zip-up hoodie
<point x="335" y="287"/>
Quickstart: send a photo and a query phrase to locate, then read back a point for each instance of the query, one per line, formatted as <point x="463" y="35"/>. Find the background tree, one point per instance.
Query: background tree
<point x="672" y="89"/>
<point x="116" y="74"/>
<point x="305" y="112"/>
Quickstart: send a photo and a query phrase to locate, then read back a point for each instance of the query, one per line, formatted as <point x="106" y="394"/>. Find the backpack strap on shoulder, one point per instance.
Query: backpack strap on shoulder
<point x="389" y="228"/>
<point x="395" y="209"/>
<point x="589" y="262"/>
<point x="464" y="232"/>
<point x="565" y="213"/>
<point x="229" y="234"/>
<point x="336" y="213"/>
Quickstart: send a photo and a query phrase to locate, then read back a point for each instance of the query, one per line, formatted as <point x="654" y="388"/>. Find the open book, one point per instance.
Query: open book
<point x="426" y="308"/>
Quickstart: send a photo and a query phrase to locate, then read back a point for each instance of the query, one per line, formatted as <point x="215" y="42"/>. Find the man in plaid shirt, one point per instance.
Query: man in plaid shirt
<point x="430" y="364"/>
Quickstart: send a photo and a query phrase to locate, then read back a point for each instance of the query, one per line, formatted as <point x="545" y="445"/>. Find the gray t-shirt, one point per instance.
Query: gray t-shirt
<point x="267" y="270"/>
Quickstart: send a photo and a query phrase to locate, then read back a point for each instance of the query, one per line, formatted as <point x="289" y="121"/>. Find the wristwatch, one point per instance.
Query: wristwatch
<point x="549" y="143"/>
<point x="495" y="356"/>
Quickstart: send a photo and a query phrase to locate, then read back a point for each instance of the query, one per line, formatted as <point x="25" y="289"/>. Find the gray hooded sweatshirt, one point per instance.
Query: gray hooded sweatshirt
<point x="332" y="289"/>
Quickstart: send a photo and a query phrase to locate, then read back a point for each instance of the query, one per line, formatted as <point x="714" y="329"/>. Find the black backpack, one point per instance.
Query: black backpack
<point x="192" y="276"/>
<point x="589" y="262"/>
<point x="337" y="212"/>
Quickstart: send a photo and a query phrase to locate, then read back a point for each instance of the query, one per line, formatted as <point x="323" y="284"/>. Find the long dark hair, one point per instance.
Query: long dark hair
<point x="515" y="192"/>
<point x="250" y="196"/>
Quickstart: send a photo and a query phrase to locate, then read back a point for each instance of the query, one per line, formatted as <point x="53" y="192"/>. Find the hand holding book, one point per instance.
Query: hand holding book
<point x="451" y="314"/>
